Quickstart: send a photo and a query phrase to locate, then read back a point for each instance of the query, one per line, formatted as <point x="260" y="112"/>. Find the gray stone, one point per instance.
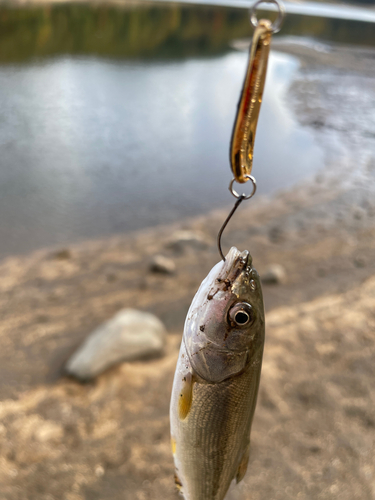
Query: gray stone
<point x="275" y="274"/>
<point x="182" y="240"/>
<point x="276" y="234"/>
<point x="359" y="262"/>
<point x="62" y="254"/>
<point x="128" y="336"/>
<point x="161" y="264"/>
<point x="359" y="213"/>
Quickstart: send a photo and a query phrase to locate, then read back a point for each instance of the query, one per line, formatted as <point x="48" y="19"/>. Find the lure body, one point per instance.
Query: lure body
<point x="243" y="136"/>
<point x="216" y="380"/>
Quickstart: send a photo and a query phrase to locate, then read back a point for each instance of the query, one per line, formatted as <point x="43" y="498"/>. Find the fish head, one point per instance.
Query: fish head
<point x="224" y="328"/>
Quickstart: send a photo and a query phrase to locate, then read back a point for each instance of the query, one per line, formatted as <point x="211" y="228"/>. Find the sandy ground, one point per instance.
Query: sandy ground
<point x="314" y="430"/>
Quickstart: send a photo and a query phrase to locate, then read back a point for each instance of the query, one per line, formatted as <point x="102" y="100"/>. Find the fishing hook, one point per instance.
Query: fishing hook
<point x="240" y="198"/>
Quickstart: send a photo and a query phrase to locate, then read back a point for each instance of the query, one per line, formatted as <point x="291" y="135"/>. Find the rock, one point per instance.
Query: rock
<point x="181" y="240"/>
<point x="318" y="124"/>
<point x="359" y="262"/>
<point x="128" y="336"/>
<point x="49" y="431"/>
<point x="276" y="234"/>
<point x="161" y="264"/>
<point x="62" y="254"/>
<point x="99" y="471"/>
<point x="321" y="272"/>
<point x="359" y="213"/>
<point x="274" y="275"/>
<point x="111" y="277"/>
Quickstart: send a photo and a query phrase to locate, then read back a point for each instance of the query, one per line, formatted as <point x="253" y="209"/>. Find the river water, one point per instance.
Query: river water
<point x="93" y="145"/>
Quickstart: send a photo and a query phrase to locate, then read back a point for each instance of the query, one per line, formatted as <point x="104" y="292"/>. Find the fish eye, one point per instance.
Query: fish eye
<point x="241" y="317"/>
<point x="241" y="314"/>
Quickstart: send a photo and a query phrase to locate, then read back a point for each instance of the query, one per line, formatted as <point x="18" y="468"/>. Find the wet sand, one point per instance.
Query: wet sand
<point x="313" y="434"/>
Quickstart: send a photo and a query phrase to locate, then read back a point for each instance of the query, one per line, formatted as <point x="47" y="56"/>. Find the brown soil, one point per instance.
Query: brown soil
<point x="314" y="430"/>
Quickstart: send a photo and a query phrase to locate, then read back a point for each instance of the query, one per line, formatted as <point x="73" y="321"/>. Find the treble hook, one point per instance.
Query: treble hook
<point x="240" y="198"/>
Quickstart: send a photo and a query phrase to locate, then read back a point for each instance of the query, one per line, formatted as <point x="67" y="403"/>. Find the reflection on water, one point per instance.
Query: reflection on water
<point x="92" y="147"/>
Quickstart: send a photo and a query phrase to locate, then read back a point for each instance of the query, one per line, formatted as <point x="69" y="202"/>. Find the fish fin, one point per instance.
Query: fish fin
<point x="178" y="483"/>
<point x="241" y="471"/>
<point x="186" y="396"/>
<point x="173" y="445"/>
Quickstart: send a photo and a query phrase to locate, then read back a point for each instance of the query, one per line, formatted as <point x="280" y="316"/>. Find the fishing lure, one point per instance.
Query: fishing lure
<point x="217" y="376"/>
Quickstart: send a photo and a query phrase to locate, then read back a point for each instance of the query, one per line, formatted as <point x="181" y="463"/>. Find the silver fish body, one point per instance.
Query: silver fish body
<point x="216" y="380"/>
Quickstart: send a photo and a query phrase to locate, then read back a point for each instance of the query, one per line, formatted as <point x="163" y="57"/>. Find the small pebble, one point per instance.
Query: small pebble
<point x="163" y="265"/>
<point x="359" y="213"/>
<point x="321" y="272"/>
<point x="181" y="240"/>
<point x="41" y="318"/>
<point x="359" y="262"/>
<point x="63" y="254"/>
<point x="276" y="234"/>
<point x="99" y="471"/>
<point x="111" y="277"/>
<point x="274" y="275"/>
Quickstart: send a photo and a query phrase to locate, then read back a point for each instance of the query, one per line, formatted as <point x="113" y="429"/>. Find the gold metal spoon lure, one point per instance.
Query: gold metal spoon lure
<point x="243" y="137"/>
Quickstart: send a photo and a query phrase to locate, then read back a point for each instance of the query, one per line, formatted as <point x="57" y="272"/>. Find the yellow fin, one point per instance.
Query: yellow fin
<point x="173" y="445"/>
<point x="178" y="482"/>
<point x="243" y="465"/>
<point x="186" y="397"/>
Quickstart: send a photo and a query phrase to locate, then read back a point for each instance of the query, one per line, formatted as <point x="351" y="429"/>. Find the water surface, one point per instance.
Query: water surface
<point x="93" y="147"/>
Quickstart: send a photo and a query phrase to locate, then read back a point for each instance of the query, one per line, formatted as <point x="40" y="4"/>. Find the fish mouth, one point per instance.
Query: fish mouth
<point x="235" y="263"/>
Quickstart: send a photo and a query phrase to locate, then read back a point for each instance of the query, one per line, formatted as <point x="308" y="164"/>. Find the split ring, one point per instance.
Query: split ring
<point x="276" y="25"/>
<point x="243" y="196"/>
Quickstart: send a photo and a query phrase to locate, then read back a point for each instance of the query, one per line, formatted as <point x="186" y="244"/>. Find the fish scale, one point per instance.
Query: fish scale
<point x="228" y="433"/>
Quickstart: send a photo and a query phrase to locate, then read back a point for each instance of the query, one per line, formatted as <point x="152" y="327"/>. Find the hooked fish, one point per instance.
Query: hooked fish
<point x="216" y="381"/>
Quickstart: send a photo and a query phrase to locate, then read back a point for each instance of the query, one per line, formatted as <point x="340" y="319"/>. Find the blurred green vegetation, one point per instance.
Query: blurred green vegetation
<point x="144" y="30"/>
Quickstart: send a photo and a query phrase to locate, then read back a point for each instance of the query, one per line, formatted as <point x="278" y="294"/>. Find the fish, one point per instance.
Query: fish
<point x="216" y="381"/>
